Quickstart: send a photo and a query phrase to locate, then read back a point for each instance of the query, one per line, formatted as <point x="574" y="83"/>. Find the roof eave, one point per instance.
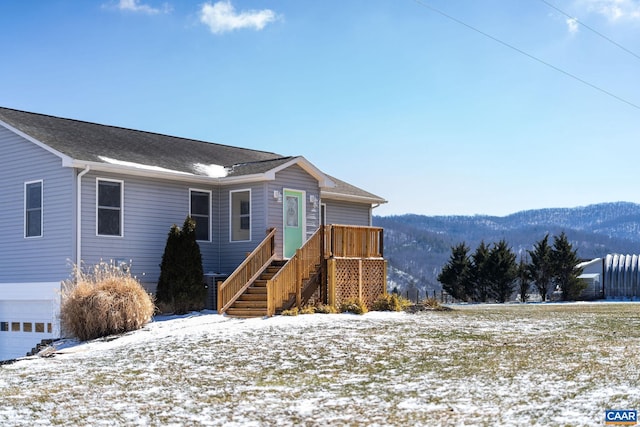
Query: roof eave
<point x="66" y="160"/>
<point x="307" y="166"/>
<point x="165" y="174"/>
<point x="352" y="198"/>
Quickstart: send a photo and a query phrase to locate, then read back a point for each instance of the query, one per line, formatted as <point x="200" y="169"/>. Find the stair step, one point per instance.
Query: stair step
<point x="250" y="304"/>
<point x="260" y="283"/>
<point x="252" y="297"/>
<point x="246" y="312"/>
<point x="256" y="290"/>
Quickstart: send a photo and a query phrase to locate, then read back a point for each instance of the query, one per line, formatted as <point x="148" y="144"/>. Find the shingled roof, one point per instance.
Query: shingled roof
<point x="94" y="143"/>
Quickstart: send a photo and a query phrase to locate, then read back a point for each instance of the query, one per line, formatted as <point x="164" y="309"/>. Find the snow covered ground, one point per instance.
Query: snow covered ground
<point x="545" y="365"/>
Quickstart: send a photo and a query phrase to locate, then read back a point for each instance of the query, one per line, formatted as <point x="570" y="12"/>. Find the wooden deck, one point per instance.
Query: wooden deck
<point x="342" y="262"/>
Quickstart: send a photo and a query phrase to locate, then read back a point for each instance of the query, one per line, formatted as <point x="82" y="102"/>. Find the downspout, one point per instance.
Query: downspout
<point x="371" y="214"/>
<point x="79" y="215"/>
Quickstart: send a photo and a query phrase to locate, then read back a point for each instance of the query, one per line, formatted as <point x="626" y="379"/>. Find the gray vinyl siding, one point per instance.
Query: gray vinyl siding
<point x="37" y="259"/>
<point x="292" y="178"/>
<point x="236" y="252"/>
<point x="347" y="213"/>
<point x="151" y="207"/>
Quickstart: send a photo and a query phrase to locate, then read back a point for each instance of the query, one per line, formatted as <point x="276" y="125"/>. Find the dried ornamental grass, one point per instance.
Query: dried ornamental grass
<point x="104" y="301"/>
<point x="325" y="309"/>
<point x="355" y="306"/>
<point x="390" y="302"/>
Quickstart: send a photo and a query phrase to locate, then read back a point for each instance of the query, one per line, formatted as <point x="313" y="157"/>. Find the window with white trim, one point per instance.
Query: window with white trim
<point x="33" y="209"/>
<point x="109" y="210"/>
<point x="200" y="212"/>
<point x="240" y="215"/>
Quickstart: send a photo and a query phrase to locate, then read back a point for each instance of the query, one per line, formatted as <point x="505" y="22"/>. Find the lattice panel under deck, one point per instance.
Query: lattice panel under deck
<point x="349" y="284"/>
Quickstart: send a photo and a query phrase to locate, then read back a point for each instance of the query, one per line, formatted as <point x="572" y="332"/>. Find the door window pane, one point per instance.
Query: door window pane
<point x="292" y="211"/>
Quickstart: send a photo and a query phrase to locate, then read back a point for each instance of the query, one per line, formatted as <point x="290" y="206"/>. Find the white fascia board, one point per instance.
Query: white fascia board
<point x="307" y="166"/>
<point x="351" y="198"/>
<point x="128" y="170"/>
<point x="164" y="174"/>
<point x="241" y="179"/>
<point x="66" y="160"/>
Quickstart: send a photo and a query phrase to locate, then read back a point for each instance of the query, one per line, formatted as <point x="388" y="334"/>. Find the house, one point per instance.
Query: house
<point x="79" y="192"/>
<point x="591" y="276"/>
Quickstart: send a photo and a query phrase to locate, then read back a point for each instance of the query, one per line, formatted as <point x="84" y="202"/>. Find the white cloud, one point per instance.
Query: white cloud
<point x="572" y="25"/>
<point x="222" y="17"/>
<point x="614" y="10"/>
<point x="136" y="6"/>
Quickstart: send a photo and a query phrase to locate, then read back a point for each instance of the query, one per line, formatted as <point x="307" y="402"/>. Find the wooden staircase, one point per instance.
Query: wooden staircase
<point x="253" y="302"/>
<point x="309" y="288"/>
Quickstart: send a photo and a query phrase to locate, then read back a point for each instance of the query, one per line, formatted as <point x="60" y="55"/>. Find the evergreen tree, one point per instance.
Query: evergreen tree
<point x="181" y="282"/>
<point x="478" y="274"/>
<point x="503" y="271"/>
<point x="194" y="291"/>
<point x="565" y="272"/>
<point x="540" y="267"/>
<point x="455" y="273"/>
<point x="524" y="279"/>
<point x="169" y="268"/>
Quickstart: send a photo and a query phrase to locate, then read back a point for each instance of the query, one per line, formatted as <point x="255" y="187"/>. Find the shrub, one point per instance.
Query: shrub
<point x="291" y="312"/>
<point x="390" y="302"/>
<point x="434" y="304"/>
<point x="355" y="306"/>
<point x="325" y="309"/>
<point x="104" y="301"/>
<point x="308" y="310"/>
<point x="181" y="284"/>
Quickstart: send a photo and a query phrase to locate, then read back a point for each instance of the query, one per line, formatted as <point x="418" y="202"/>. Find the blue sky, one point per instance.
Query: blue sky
<point x="389" y="95"/>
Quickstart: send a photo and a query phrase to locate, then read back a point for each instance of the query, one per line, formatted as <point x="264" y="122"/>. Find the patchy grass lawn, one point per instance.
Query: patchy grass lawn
<point x="552" y="364"/>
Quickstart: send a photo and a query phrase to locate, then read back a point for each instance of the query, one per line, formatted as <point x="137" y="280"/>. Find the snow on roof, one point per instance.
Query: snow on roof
<point x="212" y="171"/>
<point x="138" y="165"/>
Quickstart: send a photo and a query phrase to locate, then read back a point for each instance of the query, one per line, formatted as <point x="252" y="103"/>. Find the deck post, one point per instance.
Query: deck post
<point x="384" y="272"/>
<point x="298" y="277"/>
<point x="331" y="282"/>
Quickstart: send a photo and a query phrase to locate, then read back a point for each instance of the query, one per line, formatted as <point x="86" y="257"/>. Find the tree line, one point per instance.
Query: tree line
<point x="492" y="273"/>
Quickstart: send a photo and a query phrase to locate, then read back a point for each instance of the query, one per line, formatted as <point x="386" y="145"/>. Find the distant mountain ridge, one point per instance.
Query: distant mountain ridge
<point x="417" y="246"/>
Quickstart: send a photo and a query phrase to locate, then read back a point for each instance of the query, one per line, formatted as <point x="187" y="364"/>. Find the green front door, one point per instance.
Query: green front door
<point x="294" y="223"/>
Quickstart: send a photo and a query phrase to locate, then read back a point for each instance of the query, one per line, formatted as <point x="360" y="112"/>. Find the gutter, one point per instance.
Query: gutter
<point x="79" y="215"/>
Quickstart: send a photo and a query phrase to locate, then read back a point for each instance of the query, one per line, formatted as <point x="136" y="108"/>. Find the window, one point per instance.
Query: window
<point x="109" y="207"/>
<point x="200" y="211"/>
<point x="33" y="209"/>
<point x="240" y="215"/>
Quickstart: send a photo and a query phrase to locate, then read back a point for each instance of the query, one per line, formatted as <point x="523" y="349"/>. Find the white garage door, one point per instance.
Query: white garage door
<point x="24" y="323"/>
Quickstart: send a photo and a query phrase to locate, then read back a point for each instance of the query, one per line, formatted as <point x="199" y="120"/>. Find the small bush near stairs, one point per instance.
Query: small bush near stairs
<point x="181" y="286"/>
<point x="104" y="301"/>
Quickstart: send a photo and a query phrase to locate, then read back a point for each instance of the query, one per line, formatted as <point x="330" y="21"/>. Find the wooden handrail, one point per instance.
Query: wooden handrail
<point x="288" y="281"/>
<point x="350" y="241"/>
<point x="247" y="272"/>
